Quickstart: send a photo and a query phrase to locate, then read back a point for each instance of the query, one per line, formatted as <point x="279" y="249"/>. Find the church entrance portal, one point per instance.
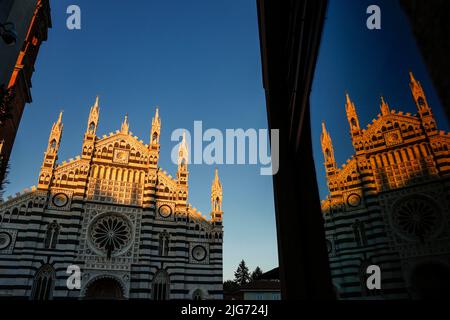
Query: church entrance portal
<point x="104" y="289"/>
<point x="431" y="281"/>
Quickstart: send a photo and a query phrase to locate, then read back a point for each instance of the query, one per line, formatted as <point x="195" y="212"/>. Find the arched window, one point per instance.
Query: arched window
<point x="53" y="144"/>
<point x="30" y="206"/>
<point x="421" y="102"/>
<point x="217" y="204"/>
<point x="161" y="286"/>
<point x="155" y="138"/>
<point x="43" y="283"/>
<point x="328" y="154"/>
<point x="359" y="232"/>
<point x="51" y="237"/>
<point x="353" y="121"/>
<point x="197" y="295"/>
<point x="15" y="214"/>
<point x="164" y="244"/>
<point x="91" y="127"/>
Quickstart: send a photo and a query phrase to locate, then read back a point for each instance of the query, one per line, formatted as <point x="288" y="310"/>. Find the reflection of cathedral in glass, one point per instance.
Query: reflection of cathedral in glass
<point x="389" y="204"/>
<point x="115" y="213"/>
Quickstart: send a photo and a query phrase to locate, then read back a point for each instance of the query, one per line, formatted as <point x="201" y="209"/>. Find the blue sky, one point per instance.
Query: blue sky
<point x="367" y="64"/>
<point x="197" y="60"/>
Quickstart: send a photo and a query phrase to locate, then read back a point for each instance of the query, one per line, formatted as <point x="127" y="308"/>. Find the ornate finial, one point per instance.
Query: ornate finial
<point x="384" y="107"/>
<point x="216" y="195"/>
<point x="347" y="96"/>
<point x="216" y="182"/>
<point x="411" y="76"/>
<point x="125" y="126"/>
<point x="349" y="106"/>
<point x="156" y="121"/>
<point x="60" y="116"/>
<point x="96" y="102"/>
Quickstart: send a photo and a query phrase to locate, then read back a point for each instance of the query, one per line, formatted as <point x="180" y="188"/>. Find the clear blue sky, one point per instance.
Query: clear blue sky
<point x="367" y="64"/>
<point x="197" y="60"/>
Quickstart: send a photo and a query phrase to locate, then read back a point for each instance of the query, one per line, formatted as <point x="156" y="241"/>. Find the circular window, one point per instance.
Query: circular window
<point x="417" y="217"/>
<point x="111" y="234"/>
<point x="199" y="253"/>
<point x="165" y="211"/>
<point x="60" y="200"/>
<point x="354" y="200"/>
<point x="5" y="240"/>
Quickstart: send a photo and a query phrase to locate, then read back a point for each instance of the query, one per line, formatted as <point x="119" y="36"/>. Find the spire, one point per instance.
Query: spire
<point x="216" y="198"/>
<point x="328" y="151"/>
<point x="216" y="185"/>
<point x="125" y="126"/>
<point x="55" y="134"/>
<point x="419" y="95"/>
<point x="156" y="119"/>
<point x="183" y="141"/>
<point x="96" y="102"/>
<point x="51" y="154"/>
<point x="385" y="110"/>
<point x="156" y="130"/>
<point x="349" y="101"/>
<point x="59" y="122"/>
<point x="93" y="118"/>
<point x="415" y="85"/>
<point x="183" y="152"/>
<point x="412" y="78"/>
<point x="352" y="116"/>
<point x="324" y="129"/>
<point x="425" y="111"/>
<point x="183" y="159"/>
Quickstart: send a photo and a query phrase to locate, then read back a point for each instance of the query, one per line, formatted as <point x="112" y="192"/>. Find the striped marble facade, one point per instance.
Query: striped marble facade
<point x="389" y="204"/>
<point x="117" y="215"/>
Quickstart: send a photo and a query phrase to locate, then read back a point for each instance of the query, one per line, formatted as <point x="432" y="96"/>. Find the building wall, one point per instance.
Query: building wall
<point x="114" y="185"/>
<point x="19" y="12"/>
<point x="389" y="204"/>
<point x="32" y="20"/>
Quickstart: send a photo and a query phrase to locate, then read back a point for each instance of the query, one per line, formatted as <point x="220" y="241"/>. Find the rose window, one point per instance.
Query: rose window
<point x="417" y="217"/>
<point x="5" y="240"/>
<point x="111" y="234"/>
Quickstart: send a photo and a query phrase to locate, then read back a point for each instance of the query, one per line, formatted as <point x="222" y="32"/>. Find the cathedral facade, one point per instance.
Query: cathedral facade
<point x="389" y="204"/>
<point x="116" y="215"/>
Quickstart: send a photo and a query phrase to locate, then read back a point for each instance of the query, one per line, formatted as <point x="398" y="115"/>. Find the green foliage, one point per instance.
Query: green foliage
<point x="242" y="275"/>
<point x="257" y="273"/>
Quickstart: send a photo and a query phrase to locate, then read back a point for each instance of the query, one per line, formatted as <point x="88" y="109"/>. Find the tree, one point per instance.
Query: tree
<point x="242" y="275"/>
<point x="257" y="274"/>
